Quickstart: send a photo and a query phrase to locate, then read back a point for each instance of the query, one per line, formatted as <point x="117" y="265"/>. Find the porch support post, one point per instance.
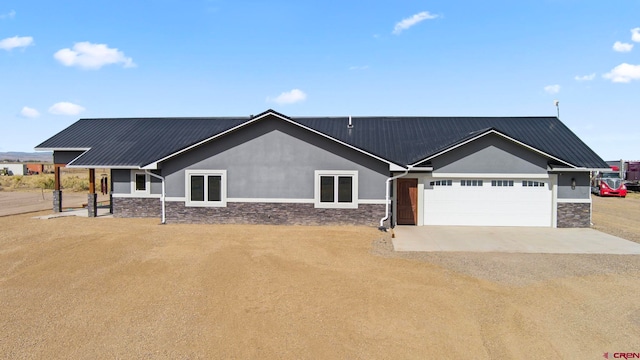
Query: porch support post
<point x="57" y="193"/>
<point x="111" y="191"/>
<point x="92" y="198"/>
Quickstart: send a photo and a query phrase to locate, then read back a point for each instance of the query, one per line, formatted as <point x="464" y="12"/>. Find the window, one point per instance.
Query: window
<point x="140" y="183"/>
<point x="336" y="189"/>
<point x="528" y="183"/>
<point x="471" y="183"/>
<point x="206" y="187"/>
<point x="441" y="183"/>
<point x="508" y="183"/>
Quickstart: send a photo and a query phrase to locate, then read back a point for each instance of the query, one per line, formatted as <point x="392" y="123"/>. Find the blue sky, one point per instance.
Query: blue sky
<point x="70" y="59"/>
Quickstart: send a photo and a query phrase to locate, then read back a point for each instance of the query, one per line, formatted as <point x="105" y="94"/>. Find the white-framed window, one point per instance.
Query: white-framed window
<point x="471" y="183"/>
<point x="206" y="188"/>
<point x="441" y="183"/>
<point x="336" y="189"/>
<point x="507" y="183"/>
<point x="140" y="183"/>
<point x="529" y="183"/>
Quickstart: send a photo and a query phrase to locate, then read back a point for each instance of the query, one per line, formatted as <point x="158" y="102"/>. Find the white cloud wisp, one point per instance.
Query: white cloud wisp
<point x="92" y="56"/>
<point x="10" y="15"/>
<point x="622" y="47"/>
<point x="29" y="112"/>
<point x="552" y="89"/>
<point x="623" y="73"/>
<point x="585" y="77"/>
<point x="66" y="108"/>
<point x="289" y="97"/>
<point x="635" y="34"/>
<point x="15" y="42"/>
<point x="404" y="24"/>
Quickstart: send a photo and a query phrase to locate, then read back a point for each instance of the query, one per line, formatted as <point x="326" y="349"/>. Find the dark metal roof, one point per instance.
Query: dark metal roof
<point x="402" y="140"/>
<point x="135" y="142"/>
<point x="408" y="140"/>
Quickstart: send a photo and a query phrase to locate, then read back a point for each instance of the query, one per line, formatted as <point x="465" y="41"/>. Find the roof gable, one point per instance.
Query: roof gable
<point x="482" y="134"/>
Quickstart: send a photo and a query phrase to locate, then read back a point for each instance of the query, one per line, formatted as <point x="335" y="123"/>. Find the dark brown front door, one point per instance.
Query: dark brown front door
<point x="407" y="201"/>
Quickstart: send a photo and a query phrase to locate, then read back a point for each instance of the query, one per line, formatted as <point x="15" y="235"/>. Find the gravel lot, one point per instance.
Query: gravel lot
<point x="129" y="288"/>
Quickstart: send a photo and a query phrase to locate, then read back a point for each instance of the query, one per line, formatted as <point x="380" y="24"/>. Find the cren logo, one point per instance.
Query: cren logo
<point x="623" y="355"/>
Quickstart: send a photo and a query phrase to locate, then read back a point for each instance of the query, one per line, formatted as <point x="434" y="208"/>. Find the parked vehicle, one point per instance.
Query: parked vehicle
<point x="609" y="183"/>
<point x="632" y="175"/>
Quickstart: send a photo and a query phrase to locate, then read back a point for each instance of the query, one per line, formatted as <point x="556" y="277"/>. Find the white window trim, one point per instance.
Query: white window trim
<point x="336" y="205"/>
<point x="147" y="182"/>
<point x="223" y="188"/>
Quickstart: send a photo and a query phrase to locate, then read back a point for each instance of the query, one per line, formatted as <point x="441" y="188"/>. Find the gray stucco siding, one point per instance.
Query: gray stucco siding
<point x="121" y="181"/>
<point x="272" y="159"/>
<point x="490" y="154"/>
<point x="123" y="178"/>
<point x="582" y="189"/>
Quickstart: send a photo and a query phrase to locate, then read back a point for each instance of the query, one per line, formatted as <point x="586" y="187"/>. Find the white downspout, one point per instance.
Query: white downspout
<point x="163" y="193"/>
<point x="387" y="197"/>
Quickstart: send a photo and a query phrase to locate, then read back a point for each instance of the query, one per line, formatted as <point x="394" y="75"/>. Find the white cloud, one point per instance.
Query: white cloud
<point x="623" y="73"/>
<point x="92" y="56"/>
<point x="586" y="77"/>
<point x="15" y="42"/>
<point x="29" y="112"/>
<point x="411" y="21"/>
<point x="635" y="34"/>
<point x="10" y="15"/>
<point x="290" y="97"/>
<point x="552" y="89"/>
<point x="622" y="47"/>
<point x="66" y="108"/>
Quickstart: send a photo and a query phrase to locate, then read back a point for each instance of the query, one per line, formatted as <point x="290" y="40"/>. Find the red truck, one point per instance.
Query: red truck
<point x="609" y="183"/>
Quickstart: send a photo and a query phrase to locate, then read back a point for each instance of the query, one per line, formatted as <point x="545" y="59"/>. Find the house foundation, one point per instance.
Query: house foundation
<point x="249" y="213"/>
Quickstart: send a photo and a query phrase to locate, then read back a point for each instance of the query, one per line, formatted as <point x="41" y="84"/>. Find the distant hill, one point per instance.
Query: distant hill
<point x="13" y="156"/>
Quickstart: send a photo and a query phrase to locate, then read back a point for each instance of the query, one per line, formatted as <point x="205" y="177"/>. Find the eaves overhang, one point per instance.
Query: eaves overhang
<point x="62" y="149"/>
<point x="575" y="169"/>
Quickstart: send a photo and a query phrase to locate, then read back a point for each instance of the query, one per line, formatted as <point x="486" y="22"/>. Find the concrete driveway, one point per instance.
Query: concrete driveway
<point x="510" y="240"/>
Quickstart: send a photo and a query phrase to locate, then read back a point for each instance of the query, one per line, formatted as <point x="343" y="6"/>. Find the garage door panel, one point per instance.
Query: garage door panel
<point x="488" y="205"/>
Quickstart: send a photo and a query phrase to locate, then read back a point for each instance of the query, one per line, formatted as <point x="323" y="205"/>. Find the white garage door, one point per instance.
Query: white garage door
<point x="488" y="202"/>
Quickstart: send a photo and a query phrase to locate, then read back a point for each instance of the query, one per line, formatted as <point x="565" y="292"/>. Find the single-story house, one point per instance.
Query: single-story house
<point x="275" y="169"/>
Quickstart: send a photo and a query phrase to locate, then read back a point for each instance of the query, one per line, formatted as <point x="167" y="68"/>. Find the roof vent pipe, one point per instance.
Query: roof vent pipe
<point x="350" y="126"/>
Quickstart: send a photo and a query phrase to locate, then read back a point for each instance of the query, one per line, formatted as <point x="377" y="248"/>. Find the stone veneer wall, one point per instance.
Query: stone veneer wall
<point x="574" y="215"/>
<point x="274" y="214"/>
<point x="57" y="201"/>
<point x="137" y="207"/>
<point x="249" y="213"/>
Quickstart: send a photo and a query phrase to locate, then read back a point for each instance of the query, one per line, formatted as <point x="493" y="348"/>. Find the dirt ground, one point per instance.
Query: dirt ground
<point x="19" y="202"/>
<point x="618" y="216"/>
<point x="130" y="288"/>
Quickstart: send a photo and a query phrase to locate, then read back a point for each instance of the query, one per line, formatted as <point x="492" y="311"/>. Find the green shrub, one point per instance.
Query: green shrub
<point x="75" y="183"/>
<point x="16" y="181"/>
<point x="46" y="182"/>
